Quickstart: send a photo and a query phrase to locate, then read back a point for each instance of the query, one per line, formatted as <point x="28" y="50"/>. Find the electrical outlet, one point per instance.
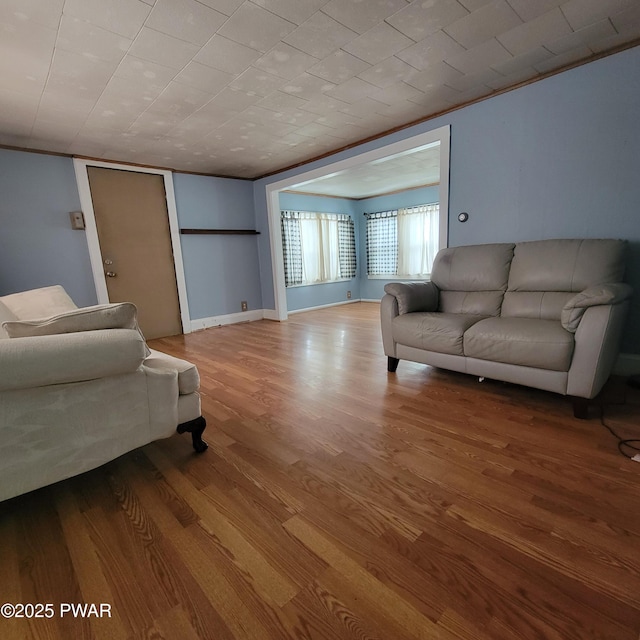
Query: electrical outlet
<point x="243" y="305"/>
<point x="348" y="295"/>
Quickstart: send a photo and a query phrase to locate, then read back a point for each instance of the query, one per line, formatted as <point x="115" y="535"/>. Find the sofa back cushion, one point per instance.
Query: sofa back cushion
<point x="546" y="274"/>
<point x="472" y="279"/>
<point x="117" y="315"/>
<point x="544" y="305"/>
<point x="39" y="303"/>
<point x="476" y="303"/>
<point x="566" y="265"/>
<point x="5" y="316"/>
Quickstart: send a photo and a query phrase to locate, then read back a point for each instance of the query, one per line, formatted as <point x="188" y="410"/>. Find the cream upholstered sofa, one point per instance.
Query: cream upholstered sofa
<point x="547" y="314"/>
<point x="79" y="387"/>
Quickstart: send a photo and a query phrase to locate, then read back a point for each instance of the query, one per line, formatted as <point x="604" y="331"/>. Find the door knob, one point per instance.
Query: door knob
<point x="108" y="261"/>
<point x="110" y="274"/>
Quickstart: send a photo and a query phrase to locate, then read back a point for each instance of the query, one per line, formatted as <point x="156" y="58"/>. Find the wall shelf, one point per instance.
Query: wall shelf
<point x="225" y="232"/>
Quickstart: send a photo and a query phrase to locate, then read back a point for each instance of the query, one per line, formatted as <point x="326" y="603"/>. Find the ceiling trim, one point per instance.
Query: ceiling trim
<point x="92" y="159"/>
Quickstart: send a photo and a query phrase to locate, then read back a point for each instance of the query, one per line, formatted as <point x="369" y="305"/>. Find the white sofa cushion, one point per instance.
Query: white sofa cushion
<point x="39" y="303"/>
<point x="5" y="316"/>
<point x="120" y="315"/>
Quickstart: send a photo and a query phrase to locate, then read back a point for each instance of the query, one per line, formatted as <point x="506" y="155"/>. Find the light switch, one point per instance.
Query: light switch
<point x="77" y="220"/>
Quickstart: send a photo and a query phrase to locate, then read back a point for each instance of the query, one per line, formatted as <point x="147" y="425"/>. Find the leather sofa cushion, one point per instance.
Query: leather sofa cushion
<point x="543" y="305"/>
<point x="566" y="265"/>
<point x="440" y="332"/>
<point x="482" y="267"/>
<point x="543" y="344"/>
<point x="476" y="303"/>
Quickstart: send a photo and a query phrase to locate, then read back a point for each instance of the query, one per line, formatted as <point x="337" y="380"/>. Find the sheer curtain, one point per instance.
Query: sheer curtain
<point x="320" y="248"/>
<point x="317" y="247"/>
<point x="417" y="240"/>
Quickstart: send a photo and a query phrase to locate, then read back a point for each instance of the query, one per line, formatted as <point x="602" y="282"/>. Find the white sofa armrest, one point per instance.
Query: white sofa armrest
<point x="188" y="376"/>
<point x="70" y="357"/>
<point x="602" y="294"/>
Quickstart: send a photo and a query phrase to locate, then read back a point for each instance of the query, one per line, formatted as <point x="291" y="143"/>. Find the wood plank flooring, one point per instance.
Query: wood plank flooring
<point x="339" y="501"/>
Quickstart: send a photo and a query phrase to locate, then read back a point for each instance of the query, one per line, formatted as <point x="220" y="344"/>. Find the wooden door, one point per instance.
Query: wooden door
<point x="135" y="242"/>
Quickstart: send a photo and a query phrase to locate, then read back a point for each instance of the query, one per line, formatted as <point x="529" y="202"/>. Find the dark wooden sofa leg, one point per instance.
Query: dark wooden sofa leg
<point x="580" y="408"/>
<point x="195" y="428"/>
<point x="392" y="364"/>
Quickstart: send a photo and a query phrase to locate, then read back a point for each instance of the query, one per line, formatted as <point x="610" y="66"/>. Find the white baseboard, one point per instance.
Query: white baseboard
<point x="230" y="318"/>
<point x="270" y="314"/>
<point x="370" y="300"/>
<point x="323" y="306"/>
<point x="628" y="364"/>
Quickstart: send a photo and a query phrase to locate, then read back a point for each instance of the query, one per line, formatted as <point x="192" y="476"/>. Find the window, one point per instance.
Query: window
<point x="402" y="242"/>
<point x="317" y="247"/>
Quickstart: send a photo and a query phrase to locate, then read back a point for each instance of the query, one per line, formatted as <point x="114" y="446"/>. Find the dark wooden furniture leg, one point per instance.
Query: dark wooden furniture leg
<point x="195" y="428"/>
<point x="580" y="408"/>
<point x="392" y="364"/>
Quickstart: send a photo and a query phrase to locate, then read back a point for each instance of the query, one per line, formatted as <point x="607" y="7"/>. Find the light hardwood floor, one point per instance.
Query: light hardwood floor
<point x="337" y="500"/>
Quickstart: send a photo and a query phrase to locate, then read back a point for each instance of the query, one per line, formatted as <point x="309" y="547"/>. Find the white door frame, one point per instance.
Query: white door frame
<point x="441" y="135"/>
<point x="82" y="178"/>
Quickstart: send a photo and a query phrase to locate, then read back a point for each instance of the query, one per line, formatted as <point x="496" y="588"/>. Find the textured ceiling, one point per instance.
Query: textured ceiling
<point x="244" y="88"/>
<point x="405" y="170"/>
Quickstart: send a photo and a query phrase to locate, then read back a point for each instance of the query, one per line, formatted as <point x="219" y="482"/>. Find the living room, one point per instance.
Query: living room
<point x="502" y="172"/>
<point x="337" y="500"/>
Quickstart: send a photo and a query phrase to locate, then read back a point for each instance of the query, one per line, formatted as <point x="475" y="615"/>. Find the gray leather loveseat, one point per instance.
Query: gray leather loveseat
<point x="547" y="314"/>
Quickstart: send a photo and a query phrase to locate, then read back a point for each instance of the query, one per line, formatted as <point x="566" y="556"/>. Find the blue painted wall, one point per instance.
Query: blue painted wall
<point x="321" y="294"/>
<point x="38" y="248"/>
<point x="220" y="270"/>
<point x="556" y="158"/>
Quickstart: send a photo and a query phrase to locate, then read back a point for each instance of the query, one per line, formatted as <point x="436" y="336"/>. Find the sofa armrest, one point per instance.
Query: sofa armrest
<point x="414" y="296"/>
<point x="188" y="376"/>
<point x="597" y="342"/>
<point x="70" y="357"/>
<point x="602" y="294"/>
